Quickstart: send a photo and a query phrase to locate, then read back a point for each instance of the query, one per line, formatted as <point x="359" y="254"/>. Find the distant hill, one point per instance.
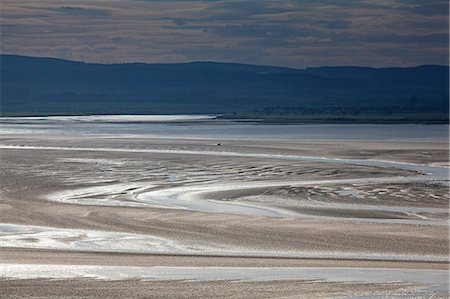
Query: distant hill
<point x="32" y="85"/>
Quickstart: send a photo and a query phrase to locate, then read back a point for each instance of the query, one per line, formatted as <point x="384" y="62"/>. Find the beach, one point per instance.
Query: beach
<point x="128" y="214"/>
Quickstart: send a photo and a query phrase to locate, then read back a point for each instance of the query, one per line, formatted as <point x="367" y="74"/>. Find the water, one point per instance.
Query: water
<point x="210" y="128"/>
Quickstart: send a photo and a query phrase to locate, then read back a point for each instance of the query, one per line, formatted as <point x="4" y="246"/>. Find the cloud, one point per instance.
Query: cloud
<point x="432" y="9"/>
<point x="280" y="32"/>
<point x="81" y="11"/>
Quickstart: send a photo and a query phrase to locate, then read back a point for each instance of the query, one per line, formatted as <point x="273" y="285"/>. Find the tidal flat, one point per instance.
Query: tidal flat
<point x="180" y="209"/>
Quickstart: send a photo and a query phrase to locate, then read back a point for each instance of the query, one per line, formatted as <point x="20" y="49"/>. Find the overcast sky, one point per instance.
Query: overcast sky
<point x="285" y="33"/>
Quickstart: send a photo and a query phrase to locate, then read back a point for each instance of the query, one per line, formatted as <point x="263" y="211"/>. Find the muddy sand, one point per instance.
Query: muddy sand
<point x="143" y="202"/>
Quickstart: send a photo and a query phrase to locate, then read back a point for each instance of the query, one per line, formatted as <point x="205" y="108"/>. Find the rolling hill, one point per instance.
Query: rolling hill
<point x="38" y="86"/>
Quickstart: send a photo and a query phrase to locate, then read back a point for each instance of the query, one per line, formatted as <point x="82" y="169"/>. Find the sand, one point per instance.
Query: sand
<point x="282" y="216"/>
<point x="41" y="288"/>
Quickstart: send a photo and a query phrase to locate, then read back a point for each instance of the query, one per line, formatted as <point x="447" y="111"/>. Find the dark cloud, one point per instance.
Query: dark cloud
<point x="257" y="30"/>
<point x="338" y="24"/>
<point x="279" y="32"/>
<point x="80" y="11"/>
<point x="431" y="9"/>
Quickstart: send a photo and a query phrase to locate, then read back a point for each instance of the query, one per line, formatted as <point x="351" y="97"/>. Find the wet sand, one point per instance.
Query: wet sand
<point x="42" y="288"/>
<point x="396" y="223"/>
<point x="40" y="256"/>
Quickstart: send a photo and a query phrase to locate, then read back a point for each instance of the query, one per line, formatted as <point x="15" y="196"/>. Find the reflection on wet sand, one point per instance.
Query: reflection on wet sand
<point x="81" y="197"/>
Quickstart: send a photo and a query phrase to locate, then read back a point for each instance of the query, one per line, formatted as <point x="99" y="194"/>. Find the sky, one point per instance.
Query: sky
<point x="296" y="33"/>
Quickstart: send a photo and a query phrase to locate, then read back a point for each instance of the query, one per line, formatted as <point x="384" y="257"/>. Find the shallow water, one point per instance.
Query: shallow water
<point x="50" y="238"/>
<point x="194" y="126"/>
<point x="170" y="177"/>
<point x="196" y="197"/>
<point x="429" y="280"/>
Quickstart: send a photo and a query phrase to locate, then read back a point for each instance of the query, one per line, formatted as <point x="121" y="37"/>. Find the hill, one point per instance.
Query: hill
<point x="31" y="85"/>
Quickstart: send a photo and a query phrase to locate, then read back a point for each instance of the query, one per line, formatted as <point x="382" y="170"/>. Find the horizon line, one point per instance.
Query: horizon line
<point x="221" y="62"/>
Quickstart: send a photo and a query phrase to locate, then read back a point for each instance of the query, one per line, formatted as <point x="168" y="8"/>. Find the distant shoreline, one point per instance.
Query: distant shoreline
<point x="42" y="86"/>
<point x="275" y="119"/>
<point x="341" y="121"/>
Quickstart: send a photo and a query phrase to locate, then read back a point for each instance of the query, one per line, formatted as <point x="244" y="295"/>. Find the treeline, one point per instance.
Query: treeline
<point x="44" y="86"/>
<point x="351" y="110"/>
<point x="411" y="109"/>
